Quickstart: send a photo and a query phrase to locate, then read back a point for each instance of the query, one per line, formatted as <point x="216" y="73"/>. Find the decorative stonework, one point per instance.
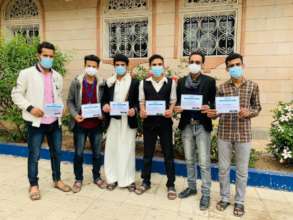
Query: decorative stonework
<point x="17" y="9"/>
<point x="126" y="4"/>
<point x="22" y="17"/>
<point x="209" y="2"/>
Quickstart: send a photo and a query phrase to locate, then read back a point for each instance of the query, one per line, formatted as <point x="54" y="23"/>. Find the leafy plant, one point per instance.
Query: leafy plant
<point x="15" y="55"/>
<point x="281" y="132"/>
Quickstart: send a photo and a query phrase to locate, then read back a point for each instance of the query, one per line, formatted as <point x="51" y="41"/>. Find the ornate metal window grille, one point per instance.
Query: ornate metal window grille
<point x="208" y="2"/>
<point x="22" y="17"/>
<point x="129" y="38"/>
<point x="126" y="4"/>
<point x="213" y="35"/>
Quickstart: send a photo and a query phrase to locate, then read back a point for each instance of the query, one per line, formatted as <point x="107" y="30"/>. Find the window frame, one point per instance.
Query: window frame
<point x="111" y="16"/>
<point x="204" y="10"/>
<point x="7" y="26"/>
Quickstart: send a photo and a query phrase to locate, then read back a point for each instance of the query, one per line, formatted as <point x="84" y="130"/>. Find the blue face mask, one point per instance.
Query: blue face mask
<point x="157" y="70"/>
<point x="120" y="70"/>
<point x="46" y="62"/>
<point x="236" y="72"/>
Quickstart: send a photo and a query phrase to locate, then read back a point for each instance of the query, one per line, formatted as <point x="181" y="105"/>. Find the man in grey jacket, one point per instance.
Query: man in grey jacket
<point x="84" y="106"/>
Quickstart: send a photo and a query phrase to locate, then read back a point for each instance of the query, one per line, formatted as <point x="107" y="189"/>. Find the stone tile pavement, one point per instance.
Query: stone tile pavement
<point x="93" y="203"/>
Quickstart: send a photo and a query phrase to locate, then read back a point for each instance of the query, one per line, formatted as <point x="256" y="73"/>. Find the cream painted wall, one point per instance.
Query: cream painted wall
<point x="267" y="43"/>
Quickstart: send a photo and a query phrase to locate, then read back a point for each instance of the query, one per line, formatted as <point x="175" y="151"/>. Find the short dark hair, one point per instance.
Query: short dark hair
<point x="46" y="45"/>
<point x="120" y="57"/>
<point x="92" y="58"/>
<point x="155" y="56"/>
<point x="199" y="54"/>
<point x="233" y="56"/>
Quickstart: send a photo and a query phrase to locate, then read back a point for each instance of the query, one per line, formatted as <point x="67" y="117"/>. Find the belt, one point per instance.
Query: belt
<point x="194" y="122"/>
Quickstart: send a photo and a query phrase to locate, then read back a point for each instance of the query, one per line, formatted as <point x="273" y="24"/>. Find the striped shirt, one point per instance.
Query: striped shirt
<point x="231" y="127"/>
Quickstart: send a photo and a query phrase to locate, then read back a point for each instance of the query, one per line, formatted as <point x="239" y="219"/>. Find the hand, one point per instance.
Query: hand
<point x="244" y="113"/>
<point x="131" y="112"/>
<point x="204" y="109"/>
<point x="37" y="112"/>
<point x="178" y="109"/>
<point x="212" y="113"/>
<point x="78" y="118"/>
<point x="143" y="114"/>
<point x="106" y="108"/>
<point x="168" y="113"/>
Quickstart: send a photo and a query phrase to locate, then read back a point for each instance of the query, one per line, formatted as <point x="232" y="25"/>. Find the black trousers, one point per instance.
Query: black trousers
<point x="150" y="135"/>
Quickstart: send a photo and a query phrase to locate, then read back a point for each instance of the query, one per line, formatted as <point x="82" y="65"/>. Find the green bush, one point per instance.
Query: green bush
<point x="281" y="132"/>
<point x="15" y="55"/>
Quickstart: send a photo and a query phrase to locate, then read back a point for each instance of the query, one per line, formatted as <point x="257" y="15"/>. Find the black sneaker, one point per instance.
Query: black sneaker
<point x="187" y="192"/>
<point x="204" y="203"/>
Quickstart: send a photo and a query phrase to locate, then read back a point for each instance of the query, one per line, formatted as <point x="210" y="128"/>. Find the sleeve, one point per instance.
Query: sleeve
<point x="173" y="95"/>
<point x="212" y="94"/>
<point x="18" y="92"/>
<point x="255" y="106"/>
<point x="178" y="92"/>
<point x="71" y="100"/>
<point x="141" y="93"/>
<point x="134" y="95"/>
<point x="105" y="97"/>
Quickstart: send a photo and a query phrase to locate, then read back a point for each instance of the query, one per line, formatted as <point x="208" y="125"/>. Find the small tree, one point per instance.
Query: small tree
<point x="15" y="55"/>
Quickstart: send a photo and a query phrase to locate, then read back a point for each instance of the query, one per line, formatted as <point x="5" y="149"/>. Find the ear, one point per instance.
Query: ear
<point x="243" y="66"/>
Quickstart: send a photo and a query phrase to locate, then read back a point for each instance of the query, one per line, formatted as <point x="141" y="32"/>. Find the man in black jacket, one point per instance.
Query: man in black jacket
<point x="119" y="162"/>
<point x="200" y="90"/>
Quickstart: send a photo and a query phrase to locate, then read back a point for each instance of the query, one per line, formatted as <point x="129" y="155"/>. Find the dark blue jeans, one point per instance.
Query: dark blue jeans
<point x="80" y="135"/>
<point x="36" y="137"/>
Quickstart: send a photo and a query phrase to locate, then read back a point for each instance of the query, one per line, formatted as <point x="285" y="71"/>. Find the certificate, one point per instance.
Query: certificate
<point x="155" y="107"/>
<point x="228" y="104"/>
<point x="53" y="110"/>
<point x="119" y="108"/>
<point x="191" y="102"/>
<point x="91" y="110"/>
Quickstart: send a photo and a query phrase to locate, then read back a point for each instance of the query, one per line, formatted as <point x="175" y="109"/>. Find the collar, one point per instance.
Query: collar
<point x="80" y="78"/>
<point x="230" y="82"/>
<point x="150" y="79"/>
<point x="40" y="68"/>
<point x="112" y="80"/>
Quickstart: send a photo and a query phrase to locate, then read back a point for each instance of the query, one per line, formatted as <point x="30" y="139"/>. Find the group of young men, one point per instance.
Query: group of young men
<point x="40" y="87"/>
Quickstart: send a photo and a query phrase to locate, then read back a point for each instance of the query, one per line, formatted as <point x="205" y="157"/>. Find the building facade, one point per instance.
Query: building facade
<point x="262" y="30"/>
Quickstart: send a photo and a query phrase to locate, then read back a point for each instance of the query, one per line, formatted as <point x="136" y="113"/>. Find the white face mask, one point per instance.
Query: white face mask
<point x="194" y="68"/>
<point x="91" y="71"/>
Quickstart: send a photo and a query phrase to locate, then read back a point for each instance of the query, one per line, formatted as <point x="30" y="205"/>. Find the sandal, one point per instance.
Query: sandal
<point x="221" y="205"/>
<point x="76" y="186"/>
<point x="131" y="187"/>
<point x="63" y="187"/>
<point x="34" y="195"/>
<point x="100" y="183"/>
<point x="111" y="186"/>
<point x="171" y="193"/>
<point x="142" y="189"/>
<point x="238" y="210"/>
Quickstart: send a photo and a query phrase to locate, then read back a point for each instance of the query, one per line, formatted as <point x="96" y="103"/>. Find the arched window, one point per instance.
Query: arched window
<point x="21" y="17"/>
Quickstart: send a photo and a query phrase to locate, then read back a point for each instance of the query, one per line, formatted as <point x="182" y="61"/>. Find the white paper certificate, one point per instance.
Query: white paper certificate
<point x="91" y="110"/>
<point x="53" y="110"/>
<point x="228" y="104"/>
<point x="119" y="108"/>
<point x="155" y="107"/>
<point x="191" y="102"/>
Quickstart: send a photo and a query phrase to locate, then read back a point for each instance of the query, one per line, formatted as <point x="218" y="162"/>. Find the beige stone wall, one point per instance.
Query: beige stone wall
<point x="267" y="43"/>
<point x="71" y="25"/>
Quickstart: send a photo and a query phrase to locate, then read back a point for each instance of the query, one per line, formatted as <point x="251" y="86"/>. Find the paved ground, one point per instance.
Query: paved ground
<point x="93" y="203"/>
